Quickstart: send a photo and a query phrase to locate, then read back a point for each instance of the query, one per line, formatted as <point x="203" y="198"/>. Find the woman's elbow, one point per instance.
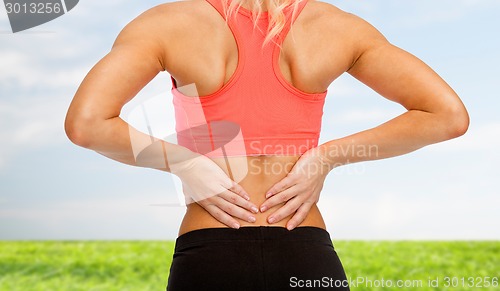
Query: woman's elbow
<point x="77" y="129"/>
<point x="457" y="121"/>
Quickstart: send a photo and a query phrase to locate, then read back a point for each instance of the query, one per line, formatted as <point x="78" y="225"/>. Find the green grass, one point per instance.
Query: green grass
<point x="143" y="265"/>
<point x="421" y="261"/>
<point x="85" y="265"/>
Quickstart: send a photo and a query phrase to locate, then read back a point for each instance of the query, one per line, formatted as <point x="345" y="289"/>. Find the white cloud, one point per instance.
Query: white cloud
<point x="454" y="214"/>
<point x="31" y="63"/>
<point x="416" y="14"/>
<point x="346" y="86"/>
<point x="14" y="67"/>
<point x="25" y="126"/>
<point x="123" y="218"/>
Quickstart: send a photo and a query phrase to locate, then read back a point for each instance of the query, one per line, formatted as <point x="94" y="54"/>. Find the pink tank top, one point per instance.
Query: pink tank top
<point x="257" y="112"/>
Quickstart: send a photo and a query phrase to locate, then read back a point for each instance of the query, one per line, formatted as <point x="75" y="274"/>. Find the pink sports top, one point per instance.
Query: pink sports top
<point x="257" y="112"/>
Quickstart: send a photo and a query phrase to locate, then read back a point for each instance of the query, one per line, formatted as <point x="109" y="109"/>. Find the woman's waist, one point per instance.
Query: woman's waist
<point x="256" y="175"/>
<point x="197" y="217"/>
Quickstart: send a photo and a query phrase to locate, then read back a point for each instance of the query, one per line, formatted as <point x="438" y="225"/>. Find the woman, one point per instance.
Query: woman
<point x="248" y="157"/>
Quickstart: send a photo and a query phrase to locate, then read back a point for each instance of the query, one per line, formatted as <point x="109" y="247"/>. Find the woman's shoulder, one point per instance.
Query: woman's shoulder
<point x="331" y="16"/>
<point x="185" y="11"/>
<point x="173" y="19"/>
<point x="335" y="22"/>
<point x="187" y="7"/>
<point x="321" y="7"/>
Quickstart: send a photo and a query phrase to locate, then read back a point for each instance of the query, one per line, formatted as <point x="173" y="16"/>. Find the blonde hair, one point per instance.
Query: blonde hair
<point x="275" y="9"/>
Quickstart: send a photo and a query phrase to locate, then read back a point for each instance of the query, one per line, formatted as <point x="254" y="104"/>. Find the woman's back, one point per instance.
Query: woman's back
<point x="207" y="55"/>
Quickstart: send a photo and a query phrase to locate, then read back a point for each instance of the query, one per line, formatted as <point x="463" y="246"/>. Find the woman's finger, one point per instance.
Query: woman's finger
<point x="220" y="215"/>
<point x="236" y="188"/>
<point x="233" y="210"/>
<point x="279" y="198"/>
<point x="290" y="207"/>
<point x="282" y="185"/>
<point x="240" y="201"/>
<point x="299" y="216"/>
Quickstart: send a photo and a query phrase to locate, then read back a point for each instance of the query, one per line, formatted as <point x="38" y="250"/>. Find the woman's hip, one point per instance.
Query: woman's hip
<point x="255" y="258"/>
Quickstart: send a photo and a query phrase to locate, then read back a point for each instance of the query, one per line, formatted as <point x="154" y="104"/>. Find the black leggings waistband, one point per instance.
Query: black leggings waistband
<point x="253" y="233"/>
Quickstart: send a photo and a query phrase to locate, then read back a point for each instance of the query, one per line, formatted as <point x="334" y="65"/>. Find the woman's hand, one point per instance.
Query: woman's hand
<point x="300" y="189"/>
<point x="205" y="183"/>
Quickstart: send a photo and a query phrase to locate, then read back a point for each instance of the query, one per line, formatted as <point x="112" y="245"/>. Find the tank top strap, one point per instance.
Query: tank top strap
<point x="219" y="6"/>
<point x="222" y="5"/>
<point x="290" y="16"/>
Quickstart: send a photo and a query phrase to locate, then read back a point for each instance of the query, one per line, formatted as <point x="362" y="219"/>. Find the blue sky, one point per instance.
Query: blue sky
<point x="52" y="189"/>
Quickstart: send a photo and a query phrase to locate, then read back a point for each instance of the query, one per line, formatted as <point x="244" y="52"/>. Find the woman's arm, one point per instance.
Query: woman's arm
<point x="434" y="114"/>
<point x="93" y="118"/>
<point x="434" y="111"/>
<point x="93" y="121"/>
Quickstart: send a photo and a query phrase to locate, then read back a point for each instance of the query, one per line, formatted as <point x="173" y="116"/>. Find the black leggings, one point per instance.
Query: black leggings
<point x="258" y="258"/>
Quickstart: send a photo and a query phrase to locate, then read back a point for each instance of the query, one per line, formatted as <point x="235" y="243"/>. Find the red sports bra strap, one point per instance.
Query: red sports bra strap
<point x="290" y="18"/>
<point x="219" y="6"/>
<point x="222" y="5"/>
